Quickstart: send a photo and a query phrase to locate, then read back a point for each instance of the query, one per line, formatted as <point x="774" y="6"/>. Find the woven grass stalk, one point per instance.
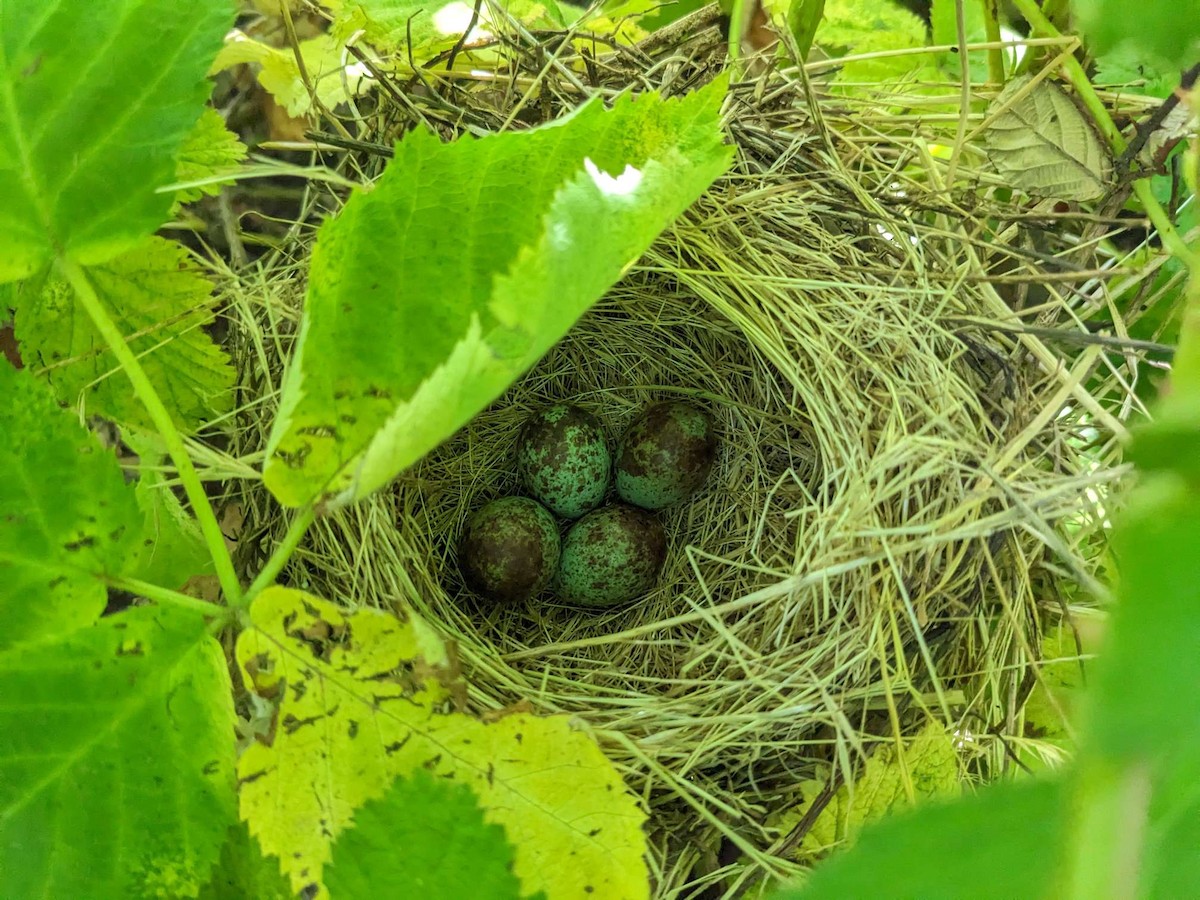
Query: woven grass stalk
<point x="902" y="495"/>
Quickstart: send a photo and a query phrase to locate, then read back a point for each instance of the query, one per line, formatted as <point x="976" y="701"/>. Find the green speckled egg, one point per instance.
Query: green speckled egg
<point x="665" y="455"/>
<point x="611" y="556"/>
<point x="563" y="460"/>
<point x="509" y="549"/>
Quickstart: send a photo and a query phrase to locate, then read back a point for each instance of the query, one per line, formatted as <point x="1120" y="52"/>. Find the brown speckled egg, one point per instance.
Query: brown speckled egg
<point x="665" y="455"/>
<point x="563" y="460"/>
<point x="611" y="556"/>
<point x="509" y="549"/>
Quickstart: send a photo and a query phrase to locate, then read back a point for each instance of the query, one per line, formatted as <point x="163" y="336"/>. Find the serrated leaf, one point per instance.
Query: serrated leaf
<point x="244" y="873"/>
<point x="95" y="101"/>
<point x="1002" y="843"/>
<point x="872" y="26"/>
<point x="210" y="151"/>
<point x="335" y="77"/>
<point x="161" y="302"/>
<point x="172" y="549"/>
<point x="363" y="699"/>
<point x="467" y="261"/>
<point x="1041" y="143"/>
<point x="423" y="838"/>
<point x="928" y="763"/>
<point x="116" y="763"/>
<point x="67" y="519"/>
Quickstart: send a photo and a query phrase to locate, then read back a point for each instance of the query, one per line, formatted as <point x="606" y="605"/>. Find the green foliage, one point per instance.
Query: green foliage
<point x="803" y="19"/>
<point x="95" y="101"/>
<point x="1163" y="32"/>
<point x="210" y="151"/>
<point x="1049" y="712"/>
<point x="1001" y="844"/>
<point x="412" y="841"/>
<point x="943" y="17"/>
<point x="473" y="258"/>
<point x="391" y="24"/>
<point x="871" y="26"/>
<point x="66" y="518"/>
<point x="362" y="700"/>
<point x="116" y="764"/>
<point x="244" y="873"/>
<point x="161" y="301"/>
<point x="171" y="549"/>
<point x="327" y="82"/>
<point x="926" y="769"/>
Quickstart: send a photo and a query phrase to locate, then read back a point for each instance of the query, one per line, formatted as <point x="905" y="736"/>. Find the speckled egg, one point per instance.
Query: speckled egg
<point x="563" y="460"/>
<point x="611" y="556"/>
<point x="509" y="549"/>
<point x="665" y="455"/>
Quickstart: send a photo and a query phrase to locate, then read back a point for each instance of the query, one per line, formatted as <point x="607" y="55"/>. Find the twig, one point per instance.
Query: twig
<point x="1186" y="81"/>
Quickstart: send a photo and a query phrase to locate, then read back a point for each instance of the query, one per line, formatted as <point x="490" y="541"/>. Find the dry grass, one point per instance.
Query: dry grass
<point x="906" y="492"/>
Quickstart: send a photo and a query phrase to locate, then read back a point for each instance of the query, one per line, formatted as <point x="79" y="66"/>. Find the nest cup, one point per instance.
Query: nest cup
<point x="870" y="549"/>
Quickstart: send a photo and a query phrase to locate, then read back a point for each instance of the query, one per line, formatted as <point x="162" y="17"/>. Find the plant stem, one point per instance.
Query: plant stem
<point x="168" y="597"/>
<point x="991" y="25"/>
<point x="1170" y="237"/>
<point x="146" y="393"/>
<point x="282" y="553"/>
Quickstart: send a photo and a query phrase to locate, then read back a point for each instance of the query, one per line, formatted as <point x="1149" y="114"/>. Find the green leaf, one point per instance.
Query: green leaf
<point x="1160" y="32"/>
<point x="803" y="17"/>
<point x="172" y="549"/>
<point x="943" y="17"/>
<point x="210" y="151"/>
<point x="1042" y="144"/>
<point x="872" y="26"/>
<point x="420" y="27"/>
<point x="244" y="873"/>
<point x="1121" y="66"/>
<point x="116" y="759"/>
<point x="325" y="69"/>
<point x="467" y="261"/>
<point x="1050" y="710"/>
<point x="928" y="764"/>
<point x="1150" y="671"/>
<point x="161" y="302"/>
<point x="1002" y="843"/>
<point x="95" y="101"/>
<point x="423" y="838"/>
<point x="364" y="698"/>
<point x="67" y="519"/>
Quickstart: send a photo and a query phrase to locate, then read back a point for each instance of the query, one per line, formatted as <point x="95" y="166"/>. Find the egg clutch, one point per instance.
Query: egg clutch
<point x="511" y="550"/>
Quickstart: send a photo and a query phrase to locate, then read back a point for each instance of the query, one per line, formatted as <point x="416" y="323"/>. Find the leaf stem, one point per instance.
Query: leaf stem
<point x="145" y="391"/>
<point x="1170" y="237"/>
<point x="167" y="597"/>
<point x="282" y="553"/>
<point x="995" y="57"/>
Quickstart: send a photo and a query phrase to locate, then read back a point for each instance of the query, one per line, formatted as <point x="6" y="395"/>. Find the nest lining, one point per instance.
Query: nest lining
<point x="878" y="543"/>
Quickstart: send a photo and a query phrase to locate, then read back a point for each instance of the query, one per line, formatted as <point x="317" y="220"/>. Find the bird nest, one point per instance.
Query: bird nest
<point x="909" y="485"/>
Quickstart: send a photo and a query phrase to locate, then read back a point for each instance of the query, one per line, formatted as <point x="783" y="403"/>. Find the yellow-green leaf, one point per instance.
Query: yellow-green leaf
<point x="926" y="768"/>
<point x="335" y="77"/>
<point x="364" y="698"/>
<point x="210" y="151"/>
<point x="1041" y="143"/>
<point x="160" y="301"/>
<point x="1050" y="706"/>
